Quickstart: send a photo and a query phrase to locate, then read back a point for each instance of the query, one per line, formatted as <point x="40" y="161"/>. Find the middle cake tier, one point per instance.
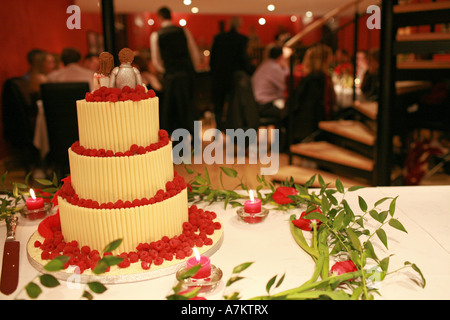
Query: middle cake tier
<point x="108" y="179"/>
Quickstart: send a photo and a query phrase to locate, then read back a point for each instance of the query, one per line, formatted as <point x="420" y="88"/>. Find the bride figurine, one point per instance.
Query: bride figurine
<point x="101" y="77"/>
<point x="125" y="74"/>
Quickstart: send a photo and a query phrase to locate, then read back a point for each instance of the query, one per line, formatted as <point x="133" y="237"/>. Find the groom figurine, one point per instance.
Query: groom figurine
<point x="125" y="74"/>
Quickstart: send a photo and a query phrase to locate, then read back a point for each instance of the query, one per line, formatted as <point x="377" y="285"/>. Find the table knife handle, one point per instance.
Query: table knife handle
<point x="11" y="223"/>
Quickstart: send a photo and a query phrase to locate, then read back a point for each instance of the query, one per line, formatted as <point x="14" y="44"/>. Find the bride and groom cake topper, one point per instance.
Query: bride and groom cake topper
<point x="117" y="77"/>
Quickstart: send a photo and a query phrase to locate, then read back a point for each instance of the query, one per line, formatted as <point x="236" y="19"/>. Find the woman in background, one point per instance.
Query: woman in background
<point x="314" y="99"/>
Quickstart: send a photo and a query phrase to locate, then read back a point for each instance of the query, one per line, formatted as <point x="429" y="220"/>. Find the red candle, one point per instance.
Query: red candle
<point x="34" y="204"/>
<point x="253" y="205"/>
<point x="205" y="269"/>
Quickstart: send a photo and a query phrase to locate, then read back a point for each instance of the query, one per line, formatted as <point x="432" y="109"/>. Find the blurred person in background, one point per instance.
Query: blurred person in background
<point x="73" y="71"/>
<point x="228" y="55"/>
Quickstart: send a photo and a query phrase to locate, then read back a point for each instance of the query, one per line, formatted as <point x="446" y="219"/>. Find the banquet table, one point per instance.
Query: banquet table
<point x="423" y="210"/>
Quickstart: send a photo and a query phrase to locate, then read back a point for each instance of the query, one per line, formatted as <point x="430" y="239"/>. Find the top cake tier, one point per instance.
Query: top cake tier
<point x="118" y="125"/>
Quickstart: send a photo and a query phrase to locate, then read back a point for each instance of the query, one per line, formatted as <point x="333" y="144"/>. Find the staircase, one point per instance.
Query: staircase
<point x="354" y="149"/>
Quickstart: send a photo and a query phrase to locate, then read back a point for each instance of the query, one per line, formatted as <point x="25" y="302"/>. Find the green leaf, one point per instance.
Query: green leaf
<point x="392" y="206"/>
<point x="321" y="181"/>
<point x="106" y="262"/>
<point x="242" y="267"/>
<point x="280" y="281"/>
<point x="56" y="264"/>
<point x="191" y="293"/>
<point x="200" y="179"/>
<point x="362" y="204"/>
<point x="384" y="264"/>
<point x="188" y="170"/>
<point x="416" y="268"/>
<point x="374" y="214"/>
<point x="382" y="236"/>
<point x="48" y="281"/>
<point x="370" y="251"/>
<point x="397" y="225"/>
<point x="112" y="245"/>
<point x="233" y="280"/>
<point x="229" y="172"/>
<point x="381" y="201"/>
<point x="339" y="186"/>
<point x="97" y="287"/>
<point x="316" y="215"/>
<point x="354" y="239"/>
<point x="189" y="272"/>
<point x="310" y="182"/>
<point x="87" y="295"/>
<point x="338" y="222"/>
<point x="44" y="182"/>
<point x="33" y="290"/>
<point x="354" y="188"/>
<point x="348" y="210"/>
<point x="270" y="284"/>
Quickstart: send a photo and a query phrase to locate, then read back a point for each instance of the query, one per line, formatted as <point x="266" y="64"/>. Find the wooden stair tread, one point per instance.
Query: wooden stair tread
<point x="301" y="175"/>
<point x="425" y="36"/>
<point x="424" y="6"/>
<point x="423" y="64"/>
<point x="402" y="87"/>
<point x="367" y="108"/>
<point x="328" y="152"/>
<point x="350" y="129"/>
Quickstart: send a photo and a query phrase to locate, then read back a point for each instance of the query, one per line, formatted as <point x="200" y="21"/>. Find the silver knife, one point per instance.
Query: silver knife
<point x="11" y="252"/>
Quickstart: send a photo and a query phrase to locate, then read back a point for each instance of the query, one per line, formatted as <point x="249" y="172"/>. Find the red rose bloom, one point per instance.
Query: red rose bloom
<point x="281" y="195"/>
<point x="307" y="224"/>
<point x="343" y="267"/>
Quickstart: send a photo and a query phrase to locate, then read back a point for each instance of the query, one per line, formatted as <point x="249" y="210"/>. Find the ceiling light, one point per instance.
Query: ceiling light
<point x="262" y="21"/>
<point x="271" y="7"/>
<point x="182" y="22"/>
<point x="309" y="14"/>
<point x="187" y="2"/>
<point x="194" y="10"/>
<point x="150" y="22"/>
<point x="293" y="18"/>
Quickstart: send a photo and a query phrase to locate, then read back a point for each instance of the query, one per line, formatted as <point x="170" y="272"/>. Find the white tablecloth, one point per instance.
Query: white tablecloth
<point x="424" y="211"/>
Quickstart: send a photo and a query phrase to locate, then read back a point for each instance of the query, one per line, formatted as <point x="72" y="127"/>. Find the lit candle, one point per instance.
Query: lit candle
<point x="205" y="270"/>
<point x="34" y="203"/>
<point x="253" y="205"/>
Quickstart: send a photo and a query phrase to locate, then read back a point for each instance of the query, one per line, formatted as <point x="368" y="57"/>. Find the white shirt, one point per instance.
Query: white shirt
<point x="73" y="72"/>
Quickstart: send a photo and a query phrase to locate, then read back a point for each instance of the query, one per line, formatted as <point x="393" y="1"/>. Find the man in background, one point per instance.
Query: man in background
<point x="228" y="55"/>
<point x="176" y="56"/>
<point x="72" y="71"/>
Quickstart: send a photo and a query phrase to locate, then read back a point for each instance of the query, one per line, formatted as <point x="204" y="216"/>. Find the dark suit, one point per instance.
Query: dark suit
<point x="228" y="55"/>
<point x="177" y="108"/>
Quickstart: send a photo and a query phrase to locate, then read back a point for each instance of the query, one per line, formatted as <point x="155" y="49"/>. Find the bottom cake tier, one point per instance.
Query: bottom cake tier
<point x="96" y="228"/>
<point x="147" y="260"/>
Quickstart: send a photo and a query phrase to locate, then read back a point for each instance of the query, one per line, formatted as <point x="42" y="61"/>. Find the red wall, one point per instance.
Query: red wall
<point x="25" y="25"/>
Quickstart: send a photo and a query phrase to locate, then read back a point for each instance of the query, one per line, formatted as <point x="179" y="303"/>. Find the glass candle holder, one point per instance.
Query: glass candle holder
<point x="252" y="217"/>
<point x="36" y="214"/>
<point x="206" y="285"/>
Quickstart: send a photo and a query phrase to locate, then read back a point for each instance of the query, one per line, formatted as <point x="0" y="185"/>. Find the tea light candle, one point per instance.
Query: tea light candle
<point x="253" y="205"/>
<point x="34" y="203"/>
<point x="205" y="270"/>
